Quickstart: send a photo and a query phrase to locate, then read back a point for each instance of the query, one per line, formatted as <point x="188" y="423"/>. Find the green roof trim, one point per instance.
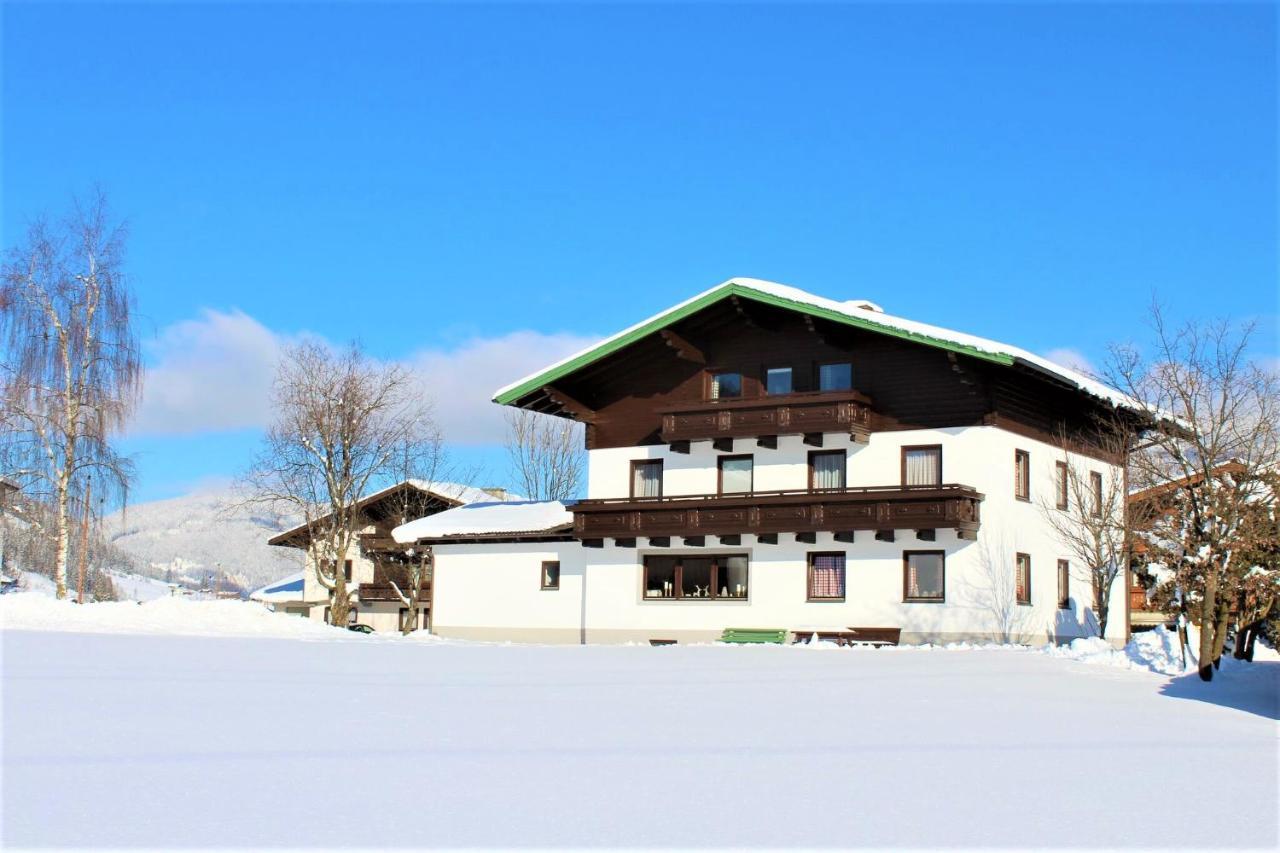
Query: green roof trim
<point x="612" y="345"/>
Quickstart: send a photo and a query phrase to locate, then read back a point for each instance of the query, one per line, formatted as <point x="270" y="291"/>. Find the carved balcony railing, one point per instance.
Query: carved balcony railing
<point x="808" y="413"/>
<point x="803" y="511"/>
<point x="370" y="592"/>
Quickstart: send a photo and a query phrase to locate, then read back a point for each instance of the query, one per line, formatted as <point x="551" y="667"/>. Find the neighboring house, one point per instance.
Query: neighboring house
<point x="8" y="493"/>
<point x="374" y="601"/>
<point x="760" y="457"/>
<point x="285" y="595"/>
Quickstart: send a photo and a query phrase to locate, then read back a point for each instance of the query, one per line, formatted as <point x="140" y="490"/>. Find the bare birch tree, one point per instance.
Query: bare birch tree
<point x="343" y="423"/>
<point x="1217" y="413"/>
<point x="547" y="455"/>
<point x="1086" y="509"/>
<point x="71" y="372"/>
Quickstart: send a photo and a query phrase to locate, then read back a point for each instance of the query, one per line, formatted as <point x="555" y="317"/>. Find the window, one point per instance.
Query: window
<point x="726" y="385"/>
<point x="1064" y="585"/>
<point x="777" y="380"/>
<point x="327" y="615"/>
<point x="826" y="469"/>
<point x="353" y="616"/>
<point x="1022" y="475"/>
<point x="346" y="570"/>
<point x="425" y="623"/>
<point x="837" y="376"/>
<point x="1022" y="578"/>
<point x="551" y="574"/>
<point x="922" y="465"/>
<point x="646" y="478"/>
<point x="1061" y="484"/>
<point x="1095" y="488"/>
<point x="923" y="576"/>
<point x="408" y="619"/>
<point x="719" y="577"/>
<point x="735" y="474"/>
<point x="826" y="577"/>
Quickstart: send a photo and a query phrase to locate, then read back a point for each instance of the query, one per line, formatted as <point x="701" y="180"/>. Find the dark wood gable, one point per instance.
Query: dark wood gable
<point x="907" y="385"/>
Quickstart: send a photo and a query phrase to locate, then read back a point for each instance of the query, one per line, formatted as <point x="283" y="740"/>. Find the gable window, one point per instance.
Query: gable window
<point x="718" y="577"/>
<point x="1060" y="484"/>
<point x="826" y="577"/>
<point x="923" y="576"/>
<point x="551" y="574"/>
<point x="827" y="469"/>
<point x="646" y="478"/>
<point x="726" y="385"/>
<point x="1022" y="578"/>
<point x="1095" y="488"/>
<point x="1064" y="585"/>
<point x="837" y="376"/>
<point x="777" y="380"/>
<point x="736" y="474"/>
<point x="922" y="465"/>
<point x="1022" y="475"/>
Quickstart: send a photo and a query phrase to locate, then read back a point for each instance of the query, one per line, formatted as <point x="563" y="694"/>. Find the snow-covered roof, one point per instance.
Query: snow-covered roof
<point x="854" y="312"/>
<point x="489" y="520"/>
<point x="285" y="589"/>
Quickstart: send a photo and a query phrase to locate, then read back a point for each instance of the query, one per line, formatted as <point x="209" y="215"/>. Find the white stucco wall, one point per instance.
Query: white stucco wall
<point x="492" y="591"/>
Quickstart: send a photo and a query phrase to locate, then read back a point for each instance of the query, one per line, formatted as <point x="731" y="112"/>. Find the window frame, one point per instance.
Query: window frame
<point x="764" y="380"/>
<point x="1095" y="492"/>
<point x="1064" y="584"/>
<point x="542" y="576"/>
<point x="636" y="463"/>
<point x="844" y="467"/>
<point x="1062" y="485"/>
<point x="906" y="574"/>
<point x="817" y="376"/>
<point x="678" y="577"/>
<point x="1018" y="559"/>
<point x="711" y="383"/>
<point x="1022" y="475"/>
<point x="733" y="457"/>
<point x="809" y="597"/>
<point x="903" y="463"/>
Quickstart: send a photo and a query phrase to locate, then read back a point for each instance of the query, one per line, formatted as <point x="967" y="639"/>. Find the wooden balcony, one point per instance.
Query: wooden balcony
<point x="370" y="592"/>
<point x="809" y="414"/>
<point x="803" y="511"/>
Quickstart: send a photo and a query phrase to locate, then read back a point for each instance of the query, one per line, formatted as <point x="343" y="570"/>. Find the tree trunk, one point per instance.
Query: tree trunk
<point x="61" y="555"/>
<point x="1100" y="606"/>
<point x="1208" y="621"/>
<point x="1222" y="623"/>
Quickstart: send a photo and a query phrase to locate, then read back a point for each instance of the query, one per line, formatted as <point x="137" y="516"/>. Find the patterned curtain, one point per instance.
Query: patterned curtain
<point x="826" y="580"/>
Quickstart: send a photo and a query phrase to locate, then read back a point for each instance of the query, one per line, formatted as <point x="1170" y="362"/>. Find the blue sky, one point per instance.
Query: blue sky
<point x="481" y="189"/>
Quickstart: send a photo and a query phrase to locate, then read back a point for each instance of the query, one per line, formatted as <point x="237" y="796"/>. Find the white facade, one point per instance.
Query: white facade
<point x="493" y="591"/>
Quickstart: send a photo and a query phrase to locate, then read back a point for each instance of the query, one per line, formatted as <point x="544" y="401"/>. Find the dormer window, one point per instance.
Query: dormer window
<point x="836" y="376"/>
<point x="726" y="386"/>
<point x="777" y="380"/>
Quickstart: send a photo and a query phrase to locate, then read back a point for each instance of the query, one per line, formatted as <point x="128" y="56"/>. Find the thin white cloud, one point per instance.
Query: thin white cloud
<point x="214" y="374"/>
<point x="1072" y="358"/>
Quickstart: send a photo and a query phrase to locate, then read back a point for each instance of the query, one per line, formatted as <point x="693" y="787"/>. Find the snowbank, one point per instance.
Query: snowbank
<point x="32" y="611"/>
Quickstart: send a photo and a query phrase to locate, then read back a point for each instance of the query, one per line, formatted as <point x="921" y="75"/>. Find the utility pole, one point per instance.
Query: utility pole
<point x="84" y="536"/>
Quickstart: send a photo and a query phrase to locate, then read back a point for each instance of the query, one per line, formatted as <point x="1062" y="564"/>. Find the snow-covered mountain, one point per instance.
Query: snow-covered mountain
<point x="201" y="534"/>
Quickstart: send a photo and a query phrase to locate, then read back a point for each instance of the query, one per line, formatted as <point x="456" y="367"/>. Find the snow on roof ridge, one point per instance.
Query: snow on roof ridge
<point x="492" y="518"/>
<point x="870" y="313"/>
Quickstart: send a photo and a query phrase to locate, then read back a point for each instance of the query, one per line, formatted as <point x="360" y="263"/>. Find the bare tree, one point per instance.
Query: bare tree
<point x="343" y="424"/>
<point x="71" y="371"/>
<point x="546" y="453"/>
<point x="1087" y="511"/>
<point x="996" y="588"/>
<point x="1216" y="413"/>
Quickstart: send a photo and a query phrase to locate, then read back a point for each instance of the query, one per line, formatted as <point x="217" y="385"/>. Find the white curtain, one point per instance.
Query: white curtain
<point x="647" y="480"/>
<point x="828" y="471"/>
<point x="923" y="467"/>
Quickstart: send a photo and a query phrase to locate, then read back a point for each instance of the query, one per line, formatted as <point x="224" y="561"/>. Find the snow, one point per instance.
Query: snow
<point x="870" y="313"/>
<point x="169" y="741"/>
<point x="488" y="519"/>
<point x="134" y="587"/>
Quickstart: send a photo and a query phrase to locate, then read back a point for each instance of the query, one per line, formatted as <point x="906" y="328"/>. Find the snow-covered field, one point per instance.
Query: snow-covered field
<point x="293" y="734"/>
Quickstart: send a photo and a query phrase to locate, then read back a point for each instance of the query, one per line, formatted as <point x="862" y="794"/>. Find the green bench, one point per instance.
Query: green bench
<point x="754" y="635"/>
